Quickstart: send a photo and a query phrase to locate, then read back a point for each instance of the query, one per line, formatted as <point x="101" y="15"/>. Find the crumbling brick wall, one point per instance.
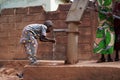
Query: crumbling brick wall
<point x="13" y="20"/>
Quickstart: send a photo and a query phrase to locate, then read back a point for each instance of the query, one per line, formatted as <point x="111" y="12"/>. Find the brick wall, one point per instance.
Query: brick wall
<point x="13" y="20"/>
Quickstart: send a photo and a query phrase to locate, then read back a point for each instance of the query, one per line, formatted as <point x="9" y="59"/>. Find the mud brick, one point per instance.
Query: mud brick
<point x="35" y="9"/>
<point x="94" y="17"/>
<point x="4" y="42"/>
<point x="85" y="22"/>
<point x="85" y="39"/>
<point x="63" y="15"/>
<point x="45" y="55"/>
<point x="0" y="27"/>
<point x="95" y="20"/>
<point x="85" y="31"/>
<point x="61" y="39"/>
<point x="17" y="40"/>
<point x="19" y="49"/>
<point x="64" y="7"/>
<point x="39" y="22"/>
<point x="60" y="34"/>
<point x="12" y="40"/>
<point x="41" y="16"/>
<point x="26" y="23"/>
<point x="28" y="18"/>
<point x="52" y="15"/>
<point x="19" y="26"/>
<point x="59" y="56"/>
<point x="11" y="19"/>
<point x="4" y="19"/>
<point x="85" y="55"/>
<point x="34" y="17"/>
<point x="3" y="34"/>
<point x="87" y="14"/>
<point x="61" y="48"/>
<point x="12" y="49"/>
<point x="60" y="24"/>
<point x="18" y="18"/>
<point x="21" y="56"/>
<point x="9" y="11"/>
<point x="7" y="56"/>
<point x="45" y="47"/>
<point x="94" y="33"/>
<point x="85" y="35"/>
<point x="18" y="34"/>
<point x="3" y="52"/>
<point x="21" y="11"/>
<point x="84" y="47"/>
<point x="8" y="26"/>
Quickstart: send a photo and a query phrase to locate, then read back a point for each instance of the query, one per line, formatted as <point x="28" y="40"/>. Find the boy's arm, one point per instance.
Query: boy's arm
<point x="44" y="39"/>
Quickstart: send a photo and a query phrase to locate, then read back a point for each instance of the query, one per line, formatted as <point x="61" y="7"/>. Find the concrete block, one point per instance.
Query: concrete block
<point x="84" y="70"/>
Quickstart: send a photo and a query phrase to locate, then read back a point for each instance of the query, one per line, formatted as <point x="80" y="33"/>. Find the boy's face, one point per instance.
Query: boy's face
<point x="49" y="29"/>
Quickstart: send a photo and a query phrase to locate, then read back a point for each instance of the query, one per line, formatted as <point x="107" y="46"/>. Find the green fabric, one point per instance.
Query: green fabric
<point x="105" y="37"/>
<point x="104" y="5"/>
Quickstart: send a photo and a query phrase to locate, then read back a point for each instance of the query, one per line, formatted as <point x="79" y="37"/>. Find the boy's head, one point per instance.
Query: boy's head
<point x="49" y="25"/>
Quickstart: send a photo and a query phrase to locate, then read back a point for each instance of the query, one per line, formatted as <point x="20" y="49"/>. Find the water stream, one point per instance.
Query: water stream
<point x="54" y="46"/>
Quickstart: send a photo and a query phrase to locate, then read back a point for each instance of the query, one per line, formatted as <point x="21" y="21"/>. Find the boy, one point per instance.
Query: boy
<point x="30" y="34"/>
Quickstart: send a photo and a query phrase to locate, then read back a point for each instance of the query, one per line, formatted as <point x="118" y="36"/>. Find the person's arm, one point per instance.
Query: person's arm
<point x="103" y="12"/>
<point x="106" y="13"/>
<point x="44" y="39"/>
<point x="115" y="16"/>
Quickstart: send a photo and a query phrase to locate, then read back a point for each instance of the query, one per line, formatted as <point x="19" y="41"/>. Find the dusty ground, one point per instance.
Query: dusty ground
<point x="8" y="74"/>
<point x="9" y="69"/>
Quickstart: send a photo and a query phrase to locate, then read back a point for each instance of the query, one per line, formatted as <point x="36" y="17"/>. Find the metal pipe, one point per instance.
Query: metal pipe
<point x="60" y="30"/>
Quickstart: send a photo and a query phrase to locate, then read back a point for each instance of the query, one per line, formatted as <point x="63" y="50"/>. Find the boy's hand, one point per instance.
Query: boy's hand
<point x="53" y="41"/>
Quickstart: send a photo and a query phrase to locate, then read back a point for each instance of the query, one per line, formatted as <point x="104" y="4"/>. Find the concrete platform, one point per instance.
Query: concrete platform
<point x="84" y="70"/>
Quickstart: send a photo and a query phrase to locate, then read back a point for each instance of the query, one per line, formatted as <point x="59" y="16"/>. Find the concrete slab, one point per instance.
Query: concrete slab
<point x="84" y="70"/>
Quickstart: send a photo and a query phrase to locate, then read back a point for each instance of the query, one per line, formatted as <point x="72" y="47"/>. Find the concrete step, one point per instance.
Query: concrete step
<point x="84" y="70"/>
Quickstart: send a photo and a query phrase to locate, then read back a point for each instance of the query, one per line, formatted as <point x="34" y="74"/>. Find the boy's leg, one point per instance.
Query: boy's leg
<point x="110" y="51"/>
<point x="109" y="59"/>
<point x="117" y="55"/>
<point x="31" y="49"/>
<point x="34" y="46"/>
<point x="102" y="59"/>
